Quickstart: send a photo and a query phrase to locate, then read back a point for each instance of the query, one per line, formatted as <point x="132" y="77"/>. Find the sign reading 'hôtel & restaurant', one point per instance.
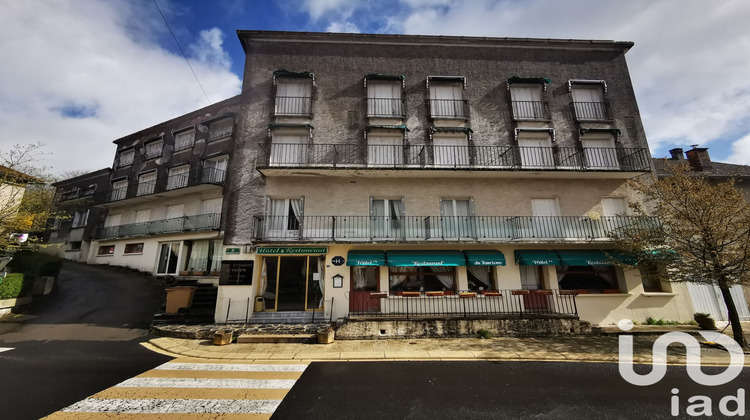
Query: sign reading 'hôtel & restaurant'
<point x="291" y="250"/>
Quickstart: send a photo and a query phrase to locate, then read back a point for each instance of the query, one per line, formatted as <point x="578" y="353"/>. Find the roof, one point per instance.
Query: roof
<point x="464" y="41"/>
<point x="717" y="170"/>
<point x="17" y="177"/>
<point x="93" y="174"/>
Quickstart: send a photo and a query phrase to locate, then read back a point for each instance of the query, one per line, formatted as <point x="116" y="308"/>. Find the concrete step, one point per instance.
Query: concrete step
<point x="276" y="338"/>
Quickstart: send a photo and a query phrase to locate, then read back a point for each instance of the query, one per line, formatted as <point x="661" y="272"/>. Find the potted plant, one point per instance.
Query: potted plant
<point x="325" y="335"/>
<point x="223" y="337"/>
<point x="704" y="321"/>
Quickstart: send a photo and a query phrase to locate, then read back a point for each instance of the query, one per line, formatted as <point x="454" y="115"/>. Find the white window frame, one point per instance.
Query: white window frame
<point x="277" y="225"/>
<point x="390" y="224"/>
<point x="298" y="104"/>
<point x="451" y="150"/>
<point x="535" y="149"/>
<point x="385" y="149"/>
<point x="527" y="102"/>
<point x="384" y="99"/>
<point x="289" y="148"/>
<point x="598" y="157"/>
<point x="221" y="128"/>
<point x="184" y="139"/>
<point x="215" y="169"/>
<point x="146" y="183"/>
<point x="125" y="157"/>
<point x="80" y="218"/>
<point x="447" y="100"/>
<point x="119" y="190"/>
<point x="178" y="177"/>
<point x="153" y="149"/>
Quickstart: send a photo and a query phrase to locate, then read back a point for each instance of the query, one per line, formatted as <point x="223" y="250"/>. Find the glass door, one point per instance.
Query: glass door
<point x="168" y="255"/>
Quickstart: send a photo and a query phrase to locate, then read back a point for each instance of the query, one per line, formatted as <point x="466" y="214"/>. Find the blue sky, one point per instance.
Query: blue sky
<point x="85" y="72"/>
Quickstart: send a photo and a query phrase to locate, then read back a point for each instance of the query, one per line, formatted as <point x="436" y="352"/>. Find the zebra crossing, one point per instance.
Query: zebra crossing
<point x="2" y="349"/>
<point x="193" y="389"/>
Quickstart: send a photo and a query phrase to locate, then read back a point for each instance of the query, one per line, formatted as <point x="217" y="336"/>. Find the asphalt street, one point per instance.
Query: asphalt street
<point x="82" y="338"/>
<point x="491" y="390"/>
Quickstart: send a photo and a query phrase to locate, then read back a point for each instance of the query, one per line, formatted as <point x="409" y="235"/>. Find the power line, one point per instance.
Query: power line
<point x="183" y="52"/>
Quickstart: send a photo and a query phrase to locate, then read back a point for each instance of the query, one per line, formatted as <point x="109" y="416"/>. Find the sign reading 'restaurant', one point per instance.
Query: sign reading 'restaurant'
<point x="292" y="250"/>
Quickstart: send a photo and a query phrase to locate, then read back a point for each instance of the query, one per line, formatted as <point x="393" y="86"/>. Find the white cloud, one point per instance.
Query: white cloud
<point x="346" y="27"/>
<point x="741" y="151"/>
<point x="319" y="8"/>
<point x="85" y="72"/>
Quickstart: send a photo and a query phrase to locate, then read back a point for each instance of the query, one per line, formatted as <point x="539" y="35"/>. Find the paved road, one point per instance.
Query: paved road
<point x="77" y="341"/>
<point x="488" y="390"/>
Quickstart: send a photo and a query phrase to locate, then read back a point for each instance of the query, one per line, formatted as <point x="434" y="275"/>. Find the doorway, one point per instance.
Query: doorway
<point x="292" y="283"/>
<point x="168" y="255"/>
<point x="537" y="298"/>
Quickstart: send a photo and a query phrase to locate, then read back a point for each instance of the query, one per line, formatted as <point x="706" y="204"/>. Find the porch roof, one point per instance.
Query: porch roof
<point x="537" y="257"/>
<point x="365" y="258"/>
<point x="593" y="257"/>
<point x="484" y="257"/>
<point x="425" y="258"/>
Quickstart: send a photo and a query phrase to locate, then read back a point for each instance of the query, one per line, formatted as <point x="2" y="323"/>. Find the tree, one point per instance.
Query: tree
<point x="703" y="235"/>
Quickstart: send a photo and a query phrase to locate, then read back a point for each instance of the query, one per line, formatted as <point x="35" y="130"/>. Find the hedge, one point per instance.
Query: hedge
<point x="35" y="264"/>
<point x="11" y="286"/>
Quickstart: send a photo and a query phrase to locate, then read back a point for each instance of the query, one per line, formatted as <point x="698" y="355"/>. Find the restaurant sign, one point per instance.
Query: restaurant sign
<point x="291" y="250"/>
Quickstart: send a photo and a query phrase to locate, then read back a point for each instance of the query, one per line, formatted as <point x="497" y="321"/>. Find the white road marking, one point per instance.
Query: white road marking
<point x="91" y="405"/>
<point x="2" y="349"/>
<point x="207" y="383"/>
<point x="227" y="367"/>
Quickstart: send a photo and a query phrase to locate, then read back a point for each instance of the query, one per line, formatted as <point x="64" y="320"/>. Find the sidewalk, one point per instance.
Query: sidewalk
<point x="569" y="348"/>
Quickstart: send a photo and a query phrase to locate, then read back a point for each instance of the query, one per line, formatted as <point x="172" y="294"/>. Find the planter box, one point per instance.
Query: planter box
<point x="434" y="293"/>
<point x="378" y="295"/>
<point x="519" y="292"/>
<point x="467" y="294"/>
<point x="543" y="292"/>
<point x="411" y="294"/>
<point x="492" y="294"/>
<point x="325" y="337"/>
<point x="222" y="338"/>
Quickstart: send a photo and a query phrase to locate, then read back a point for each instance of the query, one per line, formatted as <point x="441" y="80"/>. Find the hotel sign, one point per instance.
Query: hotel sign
<point x="291" y="250"/>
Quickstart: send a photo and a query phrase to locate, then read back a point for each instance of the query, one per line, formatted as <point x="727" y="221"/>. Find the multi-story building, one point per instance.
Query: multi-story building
<point x="164" y="195"/>
<point x="707" y="298"/>
<point x="377" y="174"/>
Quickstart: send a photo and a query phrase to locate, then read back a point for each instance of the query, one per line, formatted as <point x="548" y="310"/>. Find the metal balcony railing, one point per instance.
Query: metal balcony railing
<point x="202" y="222"/>
<point x="449" y="108"/>
<point x="446" y="228"/>
<point x="592" y="111"/>
<point x="293" y="105"/>
<point x="514" y="158"/>
<point x="530" y="110"/>
<point x="463" y="304"/>
<point x="385" y="107"/>
<point x="167" y="183"/>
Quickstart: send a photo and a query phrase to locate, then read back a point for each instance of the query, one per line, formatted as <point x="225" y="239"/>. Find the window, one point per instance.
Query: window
<point x="526" y="102"/>
<point x="599" y="151"/>
<point x="384" y="99"/>
<point x="428" y="279"/>
<point x="546" y="222"/>
<point x="56" y="222"/>
<point x="178" y="177"/>
<point x="134" y="248"/>
<point x="588" y="102"/>
<point x="146" y="183"/>
<point x="545" y="207"/>
<point x="215" y="170"/>
<point x="175" y="211"/>
<point x="106" y="250"/>
<point x="651" y="276"/>
<point x="535" y="149"/>
<point x="153" y="149"/>
<point x="112" y="220"/>
<point x="90" y="190"/>
<point x="481" y="277"/>
<point x="126" y="157"/>
<point x="80" y="218"/>
<point x="284" y="217"/>
<point x="203" y="256"/>
<point x="386" y="217"/>
<point x="74" y="246"/>
<point x="221" y="128"/>
<point x="289" y="149"/>
<point x="614" y="206"/>
<point x="450" y="150"/>
<point x="385" y="150"/>
<point x="456" y="218"/>
<point x="119" y="190"/>
<point x="184" y="140"/>
<point x="142" y="216"/>
<point x="531" y="277"/>
<point x="293" y="96"/>
<point x="591" y="278"/>
<point x="447" y="100"/>
<point x="211" y="206"/>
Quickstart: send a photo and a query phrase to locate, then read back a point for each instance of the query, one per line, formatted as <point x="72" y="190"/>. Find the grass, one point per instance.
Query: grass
<point x="661" y="321"/>
<point x="11" y="286"/>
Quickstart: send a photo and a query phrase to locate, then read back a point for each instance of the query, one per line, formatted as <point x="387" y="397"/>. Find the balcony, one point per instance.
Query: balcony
<point x="385" y="108"/>
<point x="592" y="111"/>
<point x="80" y="194"/>
<point x="530" y="111"/>
<point x="293" y="105"/>
<point x="163" y="186"/>
<point x="199" y="223"/>
<point x="282" y="158"/>
<point x="457" y="109"/>
<point x="445" y="228"/>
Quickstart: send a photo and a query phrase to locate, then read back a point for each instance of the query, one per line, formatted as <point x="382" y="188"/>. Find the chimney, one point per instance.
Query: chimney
<point x="677" y="154"/>
<point x="699" y="158"/>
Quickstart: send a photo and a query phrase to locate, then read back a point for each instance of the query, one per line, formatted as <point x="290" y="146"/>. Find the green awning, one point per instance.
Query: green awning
<point x="425" y="258"/>
<point x="484" y="258"/>
<point x="378" y="76"/>
<point x="594" y="257"/>
<point x="369" y="128"/>
<point x="536" y="257"/>
<point x="529" y="80"/>
<point x="368" y="258"/>
<point x="466" y="130"/>
<point x="614" y="131"/>
<point x="274" y="126"/>
<point x="289" y="73"/>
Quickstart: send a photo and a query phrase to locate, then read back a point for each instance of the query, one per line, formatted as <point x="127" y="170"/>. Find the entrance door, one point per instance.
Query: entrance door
<point x="168" y="255"/>
<point x="292" y="283"/>
<point x="364" y="280"/>
<point x="531" y="280"/>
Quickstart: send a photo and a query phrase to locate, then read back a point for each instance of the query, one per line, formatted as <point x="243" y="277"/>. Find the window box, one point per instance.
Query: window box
<point x="568" y="292"/>
<point x="378" y="295"/>
<point x="519" y="292"/>
<point x="467" y="294"/>
<point x="434" y="293"/>
<point x="543" y="292"/>
<point x="491" y="293"/>
<point x="411" y="294"/>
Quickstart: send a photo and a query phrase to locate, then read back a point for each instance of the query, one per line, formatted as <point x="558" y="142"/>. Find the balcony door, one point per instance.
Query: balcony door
<point x="527" y="102"/>
<point x="385" y="151"/>
<point x="284" y="218"/>
<point x="456" y="218"/>
<point x="536" y="152"/>
<point x="168" y="258"/>
<point x="446" y="100"/>
<point x="214" y="170"/>
<point x="289" y="149"/>
<point x="588" y="101"/>
<point x="386" y="218"/>
<point x="531" y="280"/>
<point x="600" y="153"/>
<point x="546" y="220"/>
<point x="451" y="151"/>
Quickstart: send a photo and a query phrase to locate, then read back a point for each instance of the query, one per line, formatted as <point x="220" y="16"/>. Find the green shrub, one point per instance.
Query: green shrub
<point x="661" y="321"/>
<point x="35" y="264"/>
<point x="484" y="333"/>
<point x="11" y="286"/>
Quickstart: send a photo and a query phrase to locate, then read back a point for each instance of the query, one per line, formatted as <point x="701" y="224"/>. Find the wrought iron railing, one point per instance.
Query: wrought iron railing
<point x="464" y="304"/>
<point x="449" y="108"/>
<point x="530" y="110"/>
<point x="411" y="156"/>
<point x="446" y="228"/>
<point x="293" y="105"/>
<point x="169" y="182"/>
<point x="385" y="107"/>
<point x="201" y="222"/>
<point x="592" y="111"/>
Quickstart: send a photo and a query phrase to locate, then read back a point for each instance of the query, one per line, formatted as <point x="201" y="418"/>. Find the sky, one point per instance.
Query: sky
<point x="78" y="74"/>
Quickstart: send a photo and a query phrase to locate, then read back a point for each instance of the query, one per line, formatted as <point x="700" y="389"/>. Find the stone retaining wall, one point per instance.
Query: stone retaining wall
<point x="445" y="328"/>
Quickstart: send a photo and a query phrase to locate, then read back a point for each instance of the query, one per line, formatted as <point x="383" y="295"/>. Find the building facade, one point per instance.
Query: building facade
<point x="375" y="169"/>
